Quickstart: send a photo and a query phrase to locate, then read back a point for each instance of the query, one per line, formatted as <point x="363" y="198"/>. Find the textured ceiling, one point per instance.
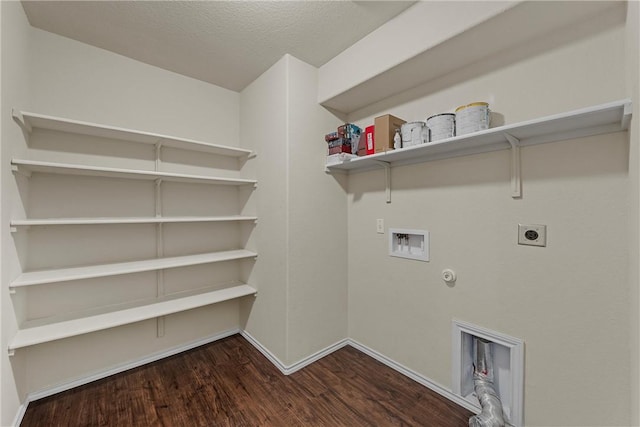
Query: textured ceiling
<point x="227" y="43"/>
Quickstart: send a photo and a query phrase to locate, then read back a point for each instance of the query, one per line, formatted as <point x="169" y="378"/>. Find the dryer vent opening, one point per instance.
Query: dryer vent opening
<point x="491" y="415"/>
<point x="488" y="371"/>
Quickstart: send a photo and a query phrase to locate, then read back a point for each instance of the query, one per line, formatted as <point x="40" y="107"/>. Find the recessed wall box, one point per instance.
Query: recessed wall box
<point x="412" y="244"/>
<point x="508" y="368"/>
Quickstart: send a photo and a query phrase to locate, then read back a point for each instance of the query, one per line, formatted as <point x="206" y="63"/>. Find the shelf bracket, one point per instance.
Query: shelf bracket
<point x="160" y="289"/>
<point x="158" y="146"/>
<point x="387" y="178"/>
<point x="516" y="177"/>
<point x="20" y="171"/>
<point x="12" y="290"/>
<point x="252" y="155"/>
<point x="11" y="352"/>
<point x="19" y="119"/>
<point x="160" y="326"/>
<point x="158" y="197"/>
<point x="626" y="115"/>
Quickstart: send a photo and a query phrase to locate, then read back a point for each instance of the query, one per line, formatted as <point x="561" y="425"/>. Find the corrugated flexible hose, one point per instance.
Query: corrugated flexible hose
<point x="491" y="415"/>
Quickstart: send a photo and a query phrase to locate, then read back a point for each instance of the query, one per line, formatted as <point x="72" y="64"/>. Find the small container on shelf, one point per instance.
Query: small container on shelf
<point x="397" y="140"/>
<point x="472" y="117"/>
<point x="369" y="134"/>
<point x="441" y="126"/>
<point x="414" y="133"/>
<point x="340" y="145"/>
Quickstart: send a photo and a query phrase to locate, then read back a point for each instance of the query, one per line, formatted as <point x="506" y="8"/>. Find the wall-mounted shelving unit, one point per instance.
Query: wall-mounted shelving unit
<point x="596" y="120"/>
<point x="63" y="325"/>
<point x="27" y="167"/>
<point x="29" y="121"/>
<point x="39" y="332"/>
<point x="534" y="20"/>
<point x="126" y="220"/>
<point x="41" y="277"/>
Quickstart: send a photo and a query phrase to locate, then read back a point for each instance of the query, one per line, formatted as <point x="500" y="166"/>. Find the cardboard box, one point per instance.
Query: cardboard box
<point x="349" y="131"/>
<point x="340" y="149"/>
<point x="385" y="129"/>
<point x="331" y="136"/>
<point x="370" y="139"/>
<point x="362" y="145"/>
<point x="338" y="142"/>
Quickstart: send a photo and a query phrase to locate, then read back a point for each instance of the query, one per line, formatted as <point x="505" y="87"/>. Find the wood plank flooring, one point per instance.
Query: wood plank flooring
<point x="230" y="383"/>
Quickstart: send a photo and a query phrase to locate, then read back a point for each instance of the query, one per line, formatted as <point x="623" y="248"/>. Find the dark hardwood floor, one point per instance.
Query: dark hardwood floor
<point x="229" y="383"/>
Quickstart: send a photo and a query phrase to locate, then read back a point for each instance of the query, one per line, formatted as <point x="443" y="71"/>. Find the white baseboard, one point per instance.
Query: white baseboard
<point x="285" y="369"/>
<point x="290" y="369"/>
<point x="49" y="391"/>
<point x="20" y="415"/>
<point x="420" y="379"/>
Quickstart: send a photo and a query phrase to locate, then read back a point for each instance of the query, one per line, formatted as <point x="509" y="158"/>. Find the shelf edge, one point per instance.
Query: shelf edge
<point x="369" y="162"/>
<point x="80" y="326"/>
<point x="32" y="165"/>
<point x="131" y="220"/>
<point x="129" y="267"/>
<point x="120" y="133"/>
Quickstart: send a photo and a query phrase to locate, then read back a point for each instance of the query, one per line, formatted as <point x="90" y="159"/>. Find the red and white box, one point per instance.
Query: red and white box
<point x="370" y="139"/>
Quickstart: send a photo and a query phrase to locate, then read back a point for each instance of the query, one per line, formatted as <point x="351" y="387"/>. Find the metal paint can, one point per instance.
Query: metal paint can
<point x="441" y="126"/>
<point x="414" y="133"/>
<point x="472" y="117"/>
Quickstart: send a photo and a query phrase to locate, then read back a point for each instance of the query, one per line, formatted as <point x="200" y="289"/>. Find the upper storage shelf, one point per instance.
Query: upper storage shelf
<point x="471" y="40"/>
<point x="600" y="119"/>
<point x="29" y="121"/>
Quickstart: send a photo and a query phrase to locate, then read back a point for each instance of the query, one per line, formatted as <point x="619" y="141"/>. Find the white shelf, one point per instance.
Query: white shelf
<point x="29" y="166"/>
<point x="468" y="49"/>
<point x="104" y="270"/>
<point x="29" y="121"/>
<point x="600" y="119"/>
<point x="128" y="220"/>
<point x="44" y="330"/>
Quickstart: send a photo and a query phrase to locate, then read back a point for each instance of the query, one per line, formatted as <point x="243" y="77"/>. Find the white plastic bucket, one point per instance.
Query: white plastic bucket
<point x="441" y="126"/>
<point x="472" y="117"/>
<point x="414" y="133"/>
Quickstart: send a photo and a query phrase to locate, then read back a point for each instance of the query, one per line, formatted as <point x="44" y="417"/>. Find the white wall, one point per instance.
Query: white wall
<point x="632" y="66"/>
<point x="301" y="269"/>
<point x="574" y="303"/>
<point x="569" y="301"/>
<point x="14" y="62"/>
<point x="72" y="79"/>
<point x="263" y="124"/>
<point x="69" y="79"/>
<point x="417" y="29"/>
<point x="317" y="219"/>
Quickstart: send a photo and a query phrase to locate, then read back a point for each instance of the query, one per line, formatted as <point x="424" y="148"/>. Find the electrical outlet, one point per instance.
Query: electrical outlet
<point x="380" y="226"/>
<point x="532" y="235"/>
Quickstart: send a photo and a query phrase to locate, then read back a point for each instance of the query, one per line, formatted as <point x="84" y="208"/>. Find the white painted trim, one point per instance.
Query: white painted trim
<point x="420" y="379"/>
<point x="265" y="352"/>
<point x="516" y="356"/>
<point x="285" y="369"/>
<point x="290" y="369"/>
<point x="126" y="366"/>
<point x="316" y="356"/>
<point x="20" y="414"/>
